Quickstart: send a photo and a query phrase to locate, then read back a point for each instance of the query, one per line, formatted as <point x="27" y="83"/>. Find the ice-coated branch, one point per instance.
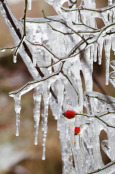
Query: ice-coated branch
<point x="25" y="14"/>
<point x="17" y="49"/>
<point x="107" y="166"/>
<point x="81" y="8"/>
<point x="24" y="33"/>
<point x="105" y="29"/>
<point x="15" y="25"/>
<point x="16" y="31"/>
<point x="60" y="31"/>
<point x="46" y="48"/>
<point x="65" y="24"/>
<point x="100" y="31"/>
<point x="107" y="100"/>
<point x="70" y="83"/>
<point x="109" y="112"/>
<point x="98" y="117"/>
<point x="31" y="85"/>
<point x="104" y="122"/>
<point x="9" y="48"/>
<point x="71" y="54"/>
<point x="82" y="24"/>
<point x="19" y="35"/>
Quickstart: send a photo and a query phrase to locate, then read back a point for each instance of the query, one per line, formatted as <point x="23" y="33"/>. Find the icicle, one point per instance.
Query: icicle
<point x="107" y="46"/>
<point x="109" y="2"/>
<point x="113" y="42"/>
<point x="29" y="4"/>
<point x="100" y="48"/>
<point x="86" y="69"/>
<point x="111" y="17"/>
<point x="65" y="138"/>
<point x="17" y="99"/>
<point x="14" y="58"/>
<point x="91" y="57"/>
<point x="95" y="53"/>
<point x="37" y="102"/>
<point x="34" y="59"/>
<point x="60" y="96"/>
<point x="45" y="115"/>
<point x="105" y="17"/>
<point x="56" y="104"/>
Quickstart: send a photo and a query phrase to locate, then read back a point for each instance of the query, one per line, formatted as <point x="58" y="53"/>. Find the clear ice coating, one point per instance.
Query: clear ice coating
<point x="17" y="99"/>
<point x="29" y="4"/>
<point x="36" y="112"/>
<point x="14" y="58"/>
<point x="60" y="52"/>
<point x="45" y="93"/>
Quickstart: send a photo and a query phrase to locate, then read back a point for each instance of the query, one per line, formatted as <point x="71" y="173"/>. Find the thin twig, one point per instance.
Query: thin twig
<point x="86" y="26"/>
<point x="4" y="49"/>
<point x="42" y="45"/>
<point x="107" y="101"/>
<point x="59" y="31"/>
<point x="64" y="59"/>
<point x="98" y="170"/>
<point x="103" y="29"/>
<point x="98" y="117"/>
<point x="106" y="113"/>
<point x="25" y="88"/>
<point x="17" y="48"/>
<point x="71" y="84"/>
<point x="64" y="23"/>
<point x="81" y="8"/>
<point x="25" y="14"/>
<point x="21" y="41"/>
<point x="94" y="29"/>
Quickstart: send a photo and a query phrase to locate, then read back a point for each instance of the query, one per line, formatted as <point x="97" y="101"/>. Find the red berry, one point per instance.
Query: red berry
<point x="70" y="114"/>
<point x="76" y="130"/>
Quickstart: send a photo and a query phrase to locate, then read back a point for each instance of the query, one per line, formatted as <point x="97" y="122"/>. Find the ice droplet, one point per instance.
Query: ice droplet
<point x="14" y="58"/>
